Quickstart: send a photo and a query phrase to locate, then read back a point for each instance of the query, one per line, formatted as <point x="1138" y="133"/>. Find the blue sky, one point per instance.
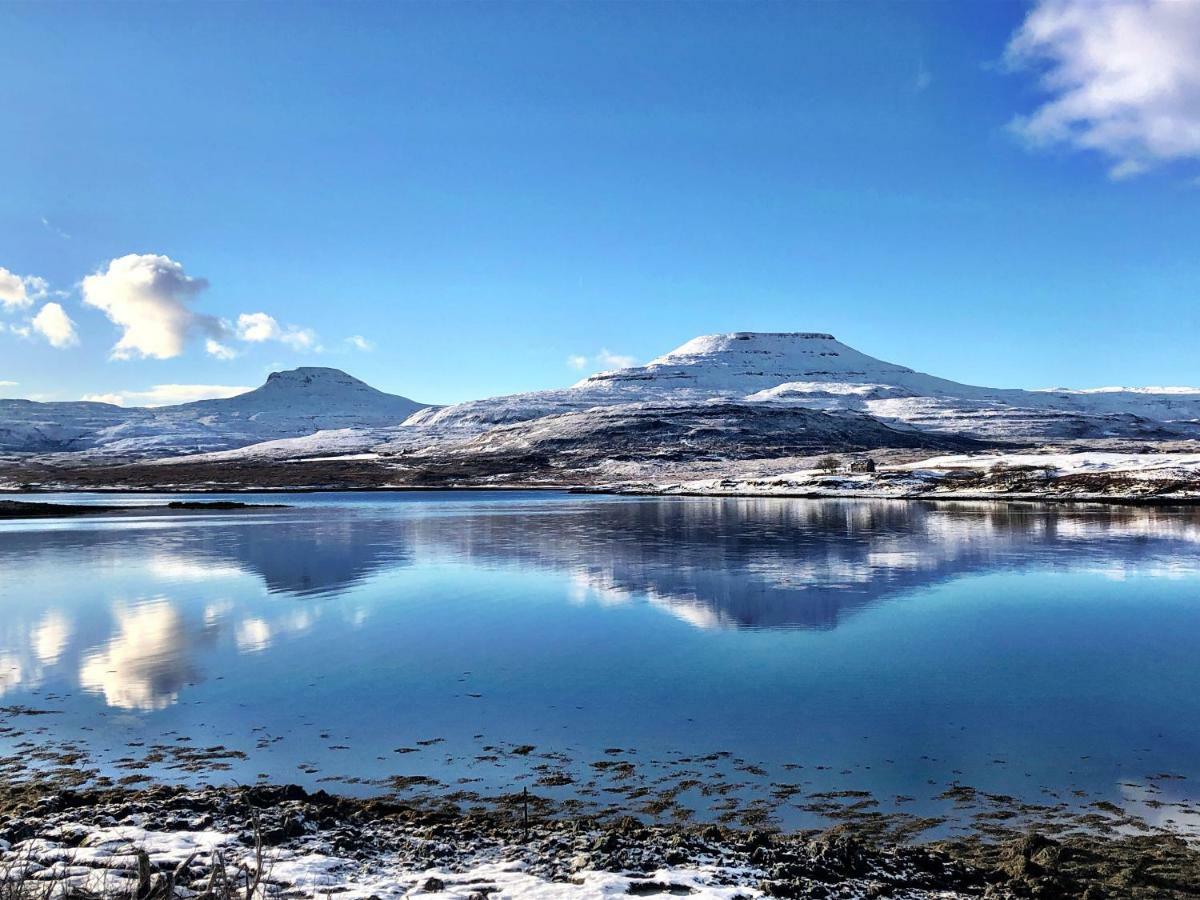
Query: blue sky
<point x="455" y="200"/>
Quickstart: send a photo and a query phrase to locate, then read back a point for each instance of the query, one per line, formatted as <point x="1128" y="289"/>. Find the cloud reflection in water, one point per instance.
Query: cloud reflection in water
<point x="721" y="563"/>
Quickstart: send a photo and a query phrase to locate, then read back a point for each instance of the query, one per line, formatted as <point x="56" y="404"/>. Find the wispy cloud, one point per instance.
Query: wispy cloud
<point x="358" y="342"/>
<point x="168" y="394"/>
<point x="1123" y="79"/>
<point x="55" y="229"/>
<point x="605" y="359"/>
<point x="221" y="351"/>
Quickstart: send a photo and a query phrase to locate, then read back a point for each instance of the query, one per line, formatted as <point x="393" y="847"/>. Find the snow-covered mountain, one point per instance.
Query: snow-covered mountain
<point x="725" y="396"/>
<point x="290" y="404"/>
<point x="815" y="371"/>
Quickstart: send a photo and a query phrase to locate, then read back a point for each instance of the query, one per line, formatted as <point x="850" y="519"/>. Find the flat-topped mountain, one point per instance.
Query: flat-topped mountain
<point x="290" y="404"/>
<point x="816" y="371"/>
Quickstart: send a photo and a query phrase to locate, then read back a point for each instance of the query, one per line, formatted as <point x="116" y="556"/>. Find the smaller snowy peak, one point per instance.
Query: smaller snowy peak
<point x="313" y="380"/>
<point x="290" y="404"/>
<point x="315" y="391"/>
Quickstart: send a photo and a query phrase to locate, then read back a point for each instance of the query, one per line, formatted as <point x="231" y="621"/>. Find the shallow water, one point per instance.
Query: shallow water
<point x="883" y="646"/>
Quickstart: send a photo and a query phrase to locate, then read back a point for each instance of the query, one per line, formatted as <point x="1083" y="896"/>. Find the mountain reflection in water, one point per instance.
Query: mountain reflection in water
<point x="105" y="599"/>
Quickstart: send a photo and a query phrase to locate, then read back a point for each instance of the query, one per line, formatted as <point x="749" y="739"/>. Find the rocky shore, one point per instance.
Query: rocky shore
<point x="21" y="509"/>
<point x="261" y="841"/>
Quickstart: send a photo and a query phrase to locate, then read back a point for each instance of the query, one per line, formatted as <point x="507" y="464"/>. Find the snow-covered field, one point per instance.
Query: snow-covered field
<point x="1078" y="475"/>
<point x="1148" y="465"/>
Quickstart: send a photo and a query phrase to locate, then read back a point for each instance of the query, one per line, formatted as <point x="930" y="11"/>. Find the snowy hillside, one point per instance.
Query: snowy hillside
<point x="726" y="396"/>
<point x="816" y="371"/>
<point x="290" y="404"/>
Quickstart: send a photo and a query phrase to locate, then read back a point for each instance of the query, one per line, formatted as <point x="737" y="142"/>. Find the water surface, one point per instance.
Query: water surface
<point x="877" y="645"/>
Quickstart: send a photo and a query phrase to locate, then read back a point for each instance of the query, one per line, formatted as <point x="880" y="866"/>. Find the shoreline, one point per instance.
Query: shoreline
<point x="1029" y="499"/>
<point x="617" y="490"/>
<point x="288" y="841"/>
<point x="17" y="510"/>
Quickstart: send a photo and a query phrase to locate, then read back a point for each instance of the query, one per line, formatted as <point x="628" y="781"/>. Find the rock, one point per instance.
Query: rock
<point x="628" y="825"/>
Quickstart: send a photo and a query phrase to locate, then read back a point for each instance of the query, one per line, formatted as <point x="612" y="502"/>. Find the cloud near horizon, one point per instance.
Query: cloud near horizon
<point x="168" y="394"/>
<point x="1123" y="79"/>
<point x="603" y="360"/>
<point x="257" y="328"/>
<point x="147" y="296"/>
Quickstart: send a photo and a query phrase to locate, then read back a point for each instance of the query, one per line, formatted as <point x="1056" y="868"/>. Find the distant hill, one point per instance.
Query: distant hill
<point x="290" y="404"/>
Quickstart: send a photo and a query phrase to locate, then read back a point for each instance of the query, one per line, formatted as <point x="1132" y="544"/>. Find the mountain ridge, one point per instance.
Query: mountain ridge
<point x="709" y="389"/>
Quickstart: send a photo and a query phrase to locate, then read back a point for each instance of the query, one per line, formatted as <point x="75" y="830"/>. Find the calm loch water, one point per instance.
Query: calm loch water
<point x="890" y="647"/>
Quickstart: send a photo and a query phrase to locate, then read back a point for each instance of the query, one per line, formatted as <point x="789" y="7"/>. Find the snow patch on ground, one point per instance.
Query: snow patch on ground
<point x="104" y="861"/>
<point x="1083" y="461"/>
<point x="1159" y="476"/>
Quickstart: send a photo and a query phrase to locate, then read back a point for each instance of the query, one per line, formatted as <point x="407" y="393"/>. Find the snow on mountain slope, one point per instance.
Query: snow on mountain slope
<point x="709" y="394"/>
<point x="290" y="404"/>
<point x="816" y="371"/>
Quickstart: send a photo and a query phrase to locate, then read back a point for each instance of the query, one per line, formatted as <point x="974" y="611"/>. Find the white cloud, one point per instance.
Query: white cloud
<point x="12" y="290"/>
<point x="301" y="339"/>
<point x="114" y="399"/>
<point x="53" y="323"/>
<point x="8" y="384"/>
<point x="605" y="359"/>
<point x="147" y="295"/>
<point x="358" y="342"/>
<point x="221" y="351"/>
<point x="614" y="360"/>
<point x="168" y="394"/>
<point x="19" y="292"/>
<point x="1123" y="79"/>
<point x="257" y="328"/>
